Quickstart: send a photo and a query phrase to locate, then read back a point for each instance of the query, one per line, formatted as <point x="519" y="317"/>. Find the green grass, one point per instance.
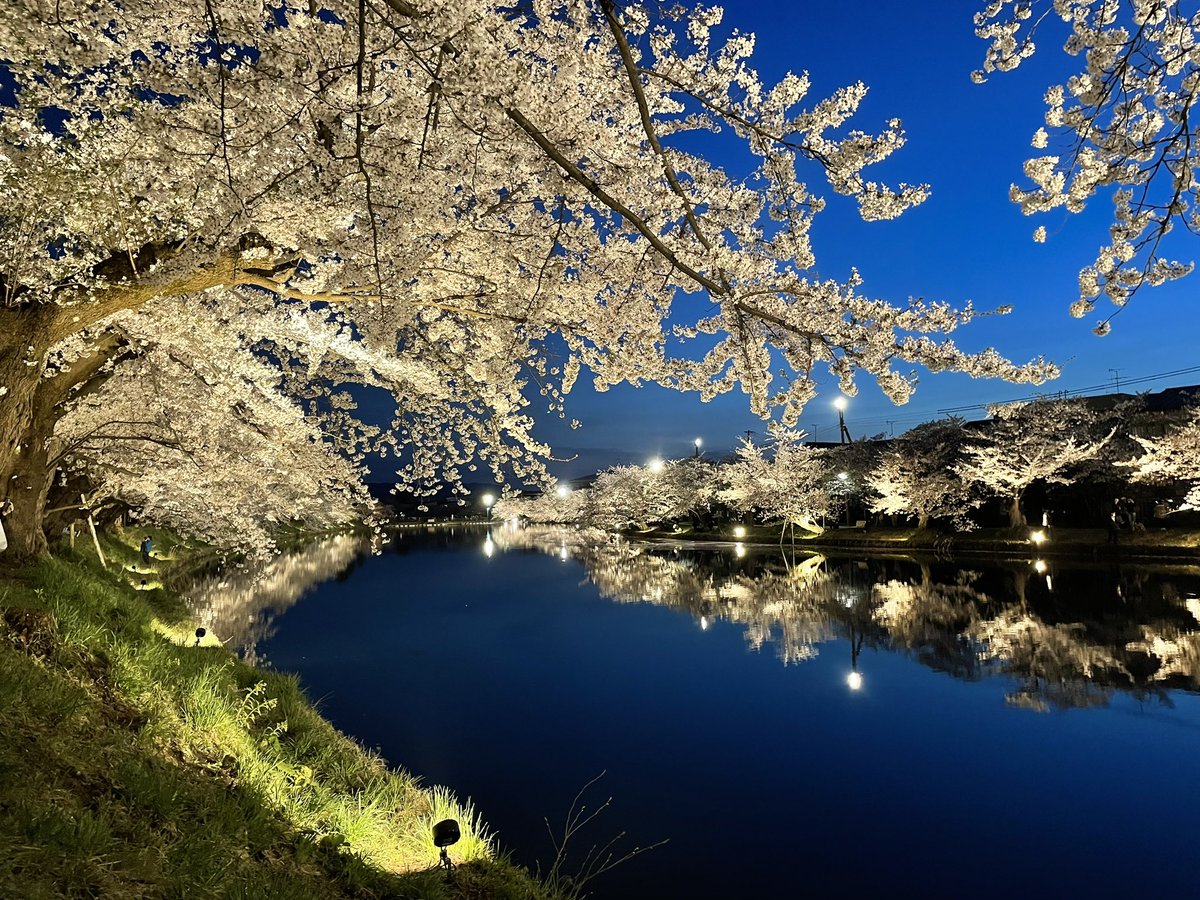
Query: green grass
<point x="135" y="764"/>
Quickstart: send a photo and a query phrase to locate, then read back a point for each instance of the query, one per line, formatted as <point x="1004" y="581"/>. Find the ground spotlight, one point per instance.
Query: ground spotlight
<point x="446" y="833"/>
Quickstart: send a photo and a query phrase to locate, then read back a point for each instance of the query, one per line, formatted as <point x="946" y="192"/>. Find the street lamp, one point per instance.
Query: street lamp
<point x="697" y="442"/>
<point x="563" y="490"/>
<point x="488" y="501"/>
<point x="656" y="464"/>
<point x="843" y="432"/>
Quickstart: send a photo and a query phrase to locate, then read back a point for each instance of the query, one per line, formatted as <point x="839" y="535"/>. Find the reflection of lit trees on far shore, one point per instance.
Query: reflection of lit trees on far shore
<point x="240" y="607"/>
<point x="1057" y="665"/>
<point x="969" y="624"/>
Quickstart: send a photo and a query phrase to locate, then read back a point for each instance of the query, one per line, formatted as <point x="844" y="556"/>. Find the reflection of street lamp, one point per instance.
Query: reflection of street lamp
<point x="489" y="546"/>
<point x="843" y="431"/>
<point x="854" y="680"/>
<point x="488" y="501"/>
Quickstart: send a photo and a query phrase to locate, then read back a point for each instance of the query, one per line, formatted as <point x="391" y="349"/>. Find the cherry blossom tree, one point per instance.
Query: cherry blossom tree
<point x="553" y="507"/>
<point x="1027" y="442"/>
<point x="917" y="476"/>
<point x="787" y="482"/>
<point x="196" y="451"/>
<point x="642" y="496"/>
<point x="1124" y="126"/>
<point x="1174" y="457"/>
<point x="487" y="200"/>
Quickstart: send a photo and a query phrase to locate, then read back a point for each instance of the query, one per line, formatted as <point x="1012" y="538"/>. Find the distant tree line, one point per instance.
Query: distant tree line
<point x="1067" y="457"/>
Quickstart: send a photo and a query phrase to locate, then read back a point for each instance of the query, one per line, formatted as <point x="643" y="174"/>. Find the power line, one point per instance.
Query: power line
<point x="1075" y="392"/>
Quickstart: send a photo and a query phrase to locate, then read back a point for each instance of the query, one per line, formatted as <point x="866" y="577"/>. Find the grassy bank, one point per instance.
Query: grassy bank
<point x="134" y="763"/>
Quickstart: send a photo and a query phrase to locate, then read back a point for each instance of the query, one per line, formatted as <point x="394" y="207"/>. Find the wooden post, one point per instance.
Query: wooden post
<point x="72" y="535"/>
<point x="92" y="528"/>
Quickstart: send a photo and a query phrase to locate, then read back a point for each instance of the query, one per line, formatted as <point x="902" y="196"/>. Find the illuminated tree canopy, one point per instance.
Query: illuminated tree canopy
<point x="463" y="206"/>
<point x="1123" y="125"/>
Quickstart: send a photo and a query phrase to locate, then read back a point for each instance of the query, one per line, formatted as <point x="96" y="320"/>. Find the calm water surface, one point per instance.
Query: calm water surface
<point x="820" y="727"/>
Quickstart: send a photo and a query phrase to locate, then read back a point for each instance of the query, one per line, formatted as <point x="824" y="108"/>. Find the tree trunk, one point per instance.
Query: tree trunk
<point x="23" y="351"/>
<point x="30" y="484"/>
<point x="29" y="410"/>
<point x="1015" y="518"/>
<point x="922" y="521"/>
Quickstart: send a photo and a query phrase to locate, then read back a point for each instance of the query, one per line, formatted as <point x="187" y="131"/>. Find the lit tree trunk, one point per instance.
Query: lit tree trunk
<point x="922" y="521"/>
<point x="29" y="411"/>
<point x="29" y="485"/>
<point x="1015" y="518"/>
<point x="23" y="348"/>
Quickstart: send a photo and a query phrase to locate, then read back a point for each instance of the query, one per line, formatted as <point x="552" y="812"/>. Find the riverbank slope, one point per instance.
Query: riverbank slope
<point x="137" y="760"/>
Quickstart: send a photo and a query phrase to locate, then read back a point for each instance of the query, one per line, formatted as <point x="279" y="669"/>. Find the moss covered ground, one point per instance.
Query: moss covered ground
<point x="137" y="762"/>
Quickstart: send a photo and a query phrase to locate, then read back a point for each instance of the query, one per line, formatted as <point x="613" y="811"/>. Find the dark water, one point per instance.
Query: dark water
<point x="835" y="727"/>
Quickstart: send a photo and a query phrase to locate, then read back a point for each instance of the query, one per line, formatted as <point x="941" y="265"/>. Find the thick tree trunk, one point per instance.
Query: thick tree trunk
<point x="30" y="484"/>
<point x="1015" y="517"/>
<point x="922" y="521"/>
<point x="23" y="348"/>
<point x="29" y="410"/>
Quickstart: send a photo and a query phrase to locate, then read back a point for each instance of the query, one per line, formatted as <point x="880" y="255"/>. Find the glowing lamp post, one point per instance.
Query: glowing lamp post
<point x="563" y="490"/>
<point x="488" y="500"/>
<point x="655" y="465"/>
<point x="843" y="432"/>
<point x="697" y="442"/>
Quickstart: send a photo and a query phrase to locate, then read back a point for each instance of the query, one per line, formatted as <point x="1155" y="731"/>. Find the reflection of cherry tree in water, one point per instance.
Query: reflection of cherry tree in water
<point x="929" y="619"/>
<point x="240" y="608"/>
<point x="1176" y="645"/>
<point x="1057" y="665"/>
<point x="1065" y="641"/>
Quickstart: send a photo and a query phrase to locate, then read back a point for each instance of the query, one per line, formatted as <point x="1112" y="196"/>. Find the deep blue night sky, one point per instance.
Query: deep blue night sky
<point x="967" y="242"/>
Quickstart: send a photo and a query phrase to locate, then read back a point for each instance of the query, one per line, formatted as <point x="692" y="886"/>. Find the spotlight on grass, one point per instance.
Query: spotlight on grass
<point x="739" y="531"/>
<point x="445" y="833"/>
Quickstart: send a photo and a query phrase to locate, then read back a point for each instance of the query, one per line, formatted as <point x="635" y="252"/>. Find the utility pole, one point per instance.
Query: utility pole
<point x="1116" y="374"/>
